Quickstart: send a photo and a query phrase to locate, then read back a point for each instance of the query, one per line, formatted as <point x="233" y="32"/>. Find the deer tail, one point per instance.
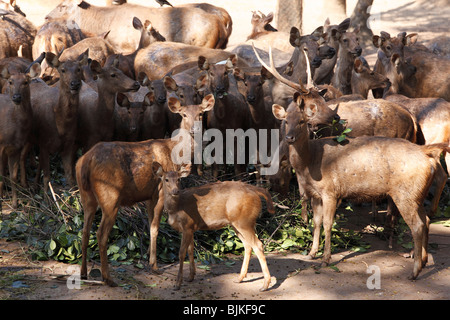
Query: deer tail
<point x="266" y="195"/>
<point x="435" y="150"/>
<point x="83" y="172"/>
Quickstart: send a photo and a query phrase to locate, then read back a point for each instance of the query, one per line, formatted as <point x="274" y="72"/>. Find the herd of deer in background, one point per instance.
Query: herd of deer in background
<point x="118" y="85"/>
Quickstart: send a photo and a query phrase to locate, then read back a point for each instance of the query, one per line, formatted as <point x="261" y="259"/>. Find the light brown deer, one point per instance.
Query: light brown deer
<point x="115" y="174"/>
<point x="211" y="207"/>
<point x="362" y="168"/>
<point x="16" y="122"/>
<point x="180" y="24"/>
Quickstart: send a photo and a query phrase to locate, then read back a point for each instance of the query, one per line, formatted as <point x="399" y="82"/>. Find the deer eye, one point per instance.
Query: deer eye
<point x="63" y="70"/>
<point x="10" y="82"/>
<point x="388" y="47"/>
<point x="113" y="75"/>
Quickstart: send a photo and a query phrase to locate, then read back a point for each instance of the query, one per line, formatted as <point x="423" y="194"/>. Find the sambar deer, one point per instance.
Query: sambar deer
<point x="211" y="207"/>
<point x="363" y="168"/>
<point x="115" y="174"/>
<point x="16" y="122"/>
<point x="430" y="68"/>
<point x="55" y="112"/>
<point x="180" y="24"/>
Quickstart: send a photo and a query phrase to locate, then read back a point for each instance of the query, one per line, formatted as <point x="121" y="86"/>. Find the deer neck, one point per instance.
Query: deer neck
<point x="343" y="72"/>
<point x="106" y="101"/>
<point x="66" y="111"/>
<point x="299" y="152"/>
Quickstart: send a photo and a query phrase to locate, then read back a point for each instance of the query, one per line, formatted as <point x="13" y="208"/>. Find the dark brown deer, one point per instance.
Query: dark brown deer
<point x="430" y="68"/>
<point x="349" y="49"/>
<point x="96" y="114"/>
<point x="16" y="123"/>
<point x="324" y="73"/>
<point x="180" y="24"/>
<point x="129" y="116"/>
<point x="55" y="111"/>
<point x="230" y="110"/>
<point x="115" y="174"/>
<point x="211" y="207"/>
<point x="363" y="168"/>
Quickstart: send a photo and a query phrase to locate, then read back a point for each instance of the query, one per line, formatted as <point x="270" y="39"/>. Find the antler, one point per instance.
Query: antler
<point x="297" y="86"/>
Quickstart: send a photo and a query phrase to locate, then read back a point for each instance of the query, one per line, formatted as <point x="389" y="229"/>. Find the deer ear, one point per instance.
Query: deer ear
<point x="174" y="105"/>
<point x="35" y="71"/>
<point x="122" y="100"/>
<point x="185" y="171"/>
<point x="310" y="110"/>
<point x="377" y="41"/>
<point x="149" y="99"/>
<point x="294" y="37"/>
<point x="208" y="102"/>
<point x="358" y="66"/>
<point x="4" y="73"/>
<point x="411" y="39"/>
<point x="137" y="24"/>
<point x="170" y="83"/>
<point x="279" y="112"/>
<point x="157" y="169"/>
<point x="203" y="63"/>
<point x="52" y="59"/>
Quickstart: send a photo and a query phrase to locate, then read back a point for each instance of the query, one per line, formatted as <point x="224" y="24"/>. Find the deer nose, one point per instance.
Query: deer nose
<point x="175" y="192"/>
<point x="161" y="99"/>
<point x="316" y="62"/>
<point x="331" y="52"/>
<point x="75" y="84"/>
<point x="289" y="139"/>
<point x="251" y="98"/>
<point x="17" y="98"/>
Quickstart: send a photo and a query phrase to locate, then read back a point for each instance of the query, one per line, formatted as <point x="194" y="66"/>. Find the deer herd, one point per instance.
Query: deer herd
<point x="110" y="88"/>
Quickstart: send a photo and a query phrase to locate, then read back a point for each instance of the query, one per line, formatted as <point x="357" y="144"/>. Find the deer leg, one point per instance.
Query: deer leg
<point x="247" y="255"/>
<point x="155" y="207"/>
<point x="191" y="261"/>
<point x="89" y="207"/>
<point x="68" y="160"/>
<point x="318" y="219"/>
<point x="23" y="169"/>
<point x="3" y="159"/>
<point x="13" y="164"/>
<point x="109" y="214"/>
<point x="186" y="239"/>
<point x="329" y="210"/>
<point x="416" y="220"/>
<point x="248" y="235"/>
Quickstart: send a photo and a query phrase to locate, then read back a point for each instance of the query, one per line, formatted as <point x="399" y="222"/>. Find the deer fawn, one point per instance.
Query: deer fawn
<point x="211" y="207"/>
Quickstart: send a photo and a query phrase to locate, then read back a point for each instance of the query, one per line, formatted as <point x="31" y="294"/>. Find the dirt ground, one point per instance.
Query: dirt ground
<point x="293" y="277"/>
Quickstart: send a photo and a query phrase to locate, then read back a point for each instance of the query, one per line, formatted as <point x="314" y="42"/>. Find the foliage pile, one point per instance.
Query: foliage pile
<point x="52" y="227"/>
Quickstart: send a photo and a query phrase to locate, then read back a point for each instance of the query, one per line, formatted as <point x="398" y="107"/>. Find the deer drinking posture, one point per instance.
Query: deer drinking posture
<point x="211" y="207"/>
<point x="115" y="174"/>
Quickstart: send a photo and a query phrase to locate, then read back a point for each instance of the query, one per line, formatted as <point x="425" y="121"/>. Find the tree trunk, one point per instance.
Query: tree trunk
<point x="359" y="18"/>
<point x="289" y="14"/>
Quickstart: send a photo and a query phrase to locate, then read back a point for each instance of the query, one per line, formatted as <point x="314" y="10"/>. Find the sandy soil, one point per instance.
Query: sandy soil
<point x="292" y="276"/>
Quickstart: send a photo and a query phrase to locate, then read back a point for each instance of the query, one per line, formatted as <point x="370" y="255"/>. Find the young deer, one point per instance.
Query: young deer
<point x="211" y="207"/>
<point x="15" y="122"/>
<point x="115" y="174"/>
<point x="363" y="168"/>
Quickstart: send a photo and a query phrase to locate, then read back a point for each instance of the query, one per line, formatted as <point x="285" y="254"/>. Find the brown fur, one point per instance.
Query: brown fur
<point x="96" y="116"/>
<point x="363" y="168"/>
<point x="349" y="49"/>
<point x="211" y="207"/>
<point x="16" y="31"/>
<point x="180" y="24"/>
<point x="55" y="116"/>
<point x="16" y="122"/>
<point x="429" y="68"/>
<point x="115" y="174"/>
